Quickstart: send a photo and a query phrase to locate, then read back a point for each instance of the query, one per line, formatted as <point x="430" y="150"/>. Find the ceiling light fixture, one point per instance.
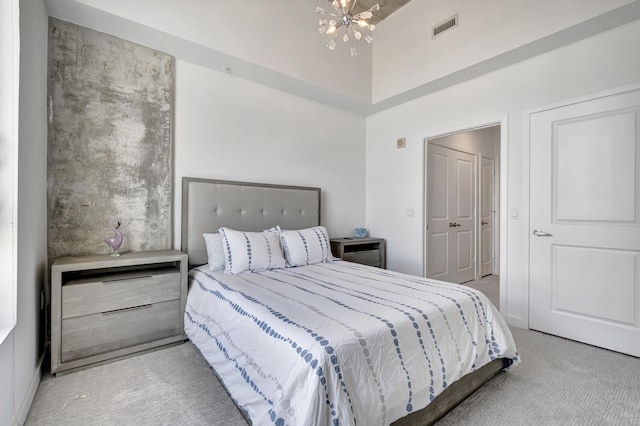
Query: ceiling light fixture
<point x="344" y="23"/>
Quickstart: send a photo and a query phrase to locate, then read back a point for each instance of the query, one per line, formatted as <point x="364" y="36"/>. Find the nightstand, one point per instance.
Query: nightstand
<point x="367" y="251"/>
<point x="105" y="307"/>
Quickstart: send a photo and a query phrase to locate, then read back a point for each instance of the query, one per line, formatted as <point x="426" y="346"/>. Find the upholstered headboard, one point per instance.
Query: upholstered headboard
<point x="208" y="204"/>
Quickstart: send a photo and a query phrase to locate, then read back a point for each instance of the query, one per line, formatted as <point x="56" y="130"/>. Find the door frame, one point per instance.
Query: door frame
<point x="494" y="208"/>
<point x="501" y="227"/>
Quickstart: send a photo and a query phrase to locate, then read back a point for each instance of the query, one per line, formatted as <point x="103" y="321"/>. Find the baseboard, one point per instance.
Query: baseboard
<point x="27" y="400"/>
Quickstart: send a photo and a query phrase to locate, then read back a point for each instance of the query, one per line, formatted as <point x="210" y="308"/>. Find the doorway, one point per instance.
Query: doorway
<point x="462" y="199"/>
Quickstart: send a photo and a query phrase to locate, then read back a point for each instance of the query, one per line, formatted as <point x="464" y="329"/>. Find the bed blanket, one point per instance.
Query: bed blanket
<point x="339" y="343"/>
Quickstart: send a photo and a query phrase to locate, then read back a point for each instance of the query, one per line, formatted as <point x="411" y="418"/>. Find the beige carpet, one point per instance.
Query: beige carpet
<point x="172" y="386"/>
<point x="559" y="382"/>
<point x="490" y="286"/>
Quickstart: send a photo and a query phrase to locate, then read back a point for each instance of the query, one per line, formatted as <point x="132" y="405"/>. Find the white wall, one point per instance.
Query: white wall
<point x="9" y="81"/>
<point x="20" y="353"/>
<point x="405" y="56"/>
<point x="229" y="128"/>
<point x="395" y="177"/>
<point x="7" y="414"/>
<point x="278" y="35"/>
<point x="481" y="141"/>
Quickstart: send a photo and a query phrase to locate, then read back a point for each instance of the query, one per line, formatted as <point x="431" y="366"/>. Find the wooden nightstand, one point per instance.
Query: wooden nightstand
<point x="105" y="307"/>
<point x="367" y="251"/>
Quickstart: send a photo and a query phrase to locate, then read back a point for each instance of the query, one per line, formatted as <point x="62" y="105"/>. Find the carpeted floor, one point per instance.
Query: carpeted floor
<point x="172" y="386"/>
<point x="559" y="382"/>
<point x="490" y="286"/>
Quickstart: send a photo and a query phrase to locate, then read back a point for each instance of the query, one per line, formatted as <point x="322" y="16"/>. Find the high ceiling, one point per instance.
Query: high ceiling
<point x="387" y="7"/>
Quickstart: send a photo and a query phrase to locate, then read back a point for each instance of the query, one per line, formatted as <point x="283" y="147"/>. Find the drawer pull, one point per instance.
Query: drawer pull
<point x="115" y="280"/>
<point x="133" y="308"/>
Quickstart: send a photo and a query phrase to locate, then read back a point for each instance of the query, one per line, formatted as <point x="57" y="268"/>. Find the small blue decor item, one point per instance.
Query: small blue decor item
<point x="360" y="233"/>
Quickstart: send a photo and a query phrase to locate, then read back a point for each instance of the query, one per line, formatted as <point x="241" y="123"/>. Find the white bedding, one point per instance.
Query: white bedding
<point x="339" y="343"/>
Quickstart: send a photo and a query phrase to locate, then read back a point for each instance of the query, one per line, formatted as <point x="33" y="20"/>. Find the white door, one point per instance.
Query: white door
<point x="451" y="203"/>
<point x="585" y="222"/>
<point x="486" y="217"/>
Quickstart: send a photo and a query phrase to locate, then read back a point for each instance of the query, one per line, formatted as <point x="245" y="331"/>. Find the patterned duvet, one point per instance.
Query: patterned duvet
<point x="339" y="343"/>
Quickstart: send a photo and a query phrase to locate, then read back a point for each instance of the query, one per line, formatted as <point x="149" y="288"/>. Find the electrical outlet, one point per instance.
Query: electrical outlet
<point x="401" y="142"/>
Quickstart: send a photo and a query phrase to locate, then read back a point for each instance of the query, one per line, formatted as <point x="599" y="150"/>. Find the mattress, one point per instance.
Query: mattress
<point x="339" y="343"/>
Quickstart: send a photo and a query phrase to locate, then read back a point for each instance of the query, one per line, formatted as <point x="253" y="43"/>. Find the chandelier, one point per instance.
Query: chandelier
<point x="345" y="25"/>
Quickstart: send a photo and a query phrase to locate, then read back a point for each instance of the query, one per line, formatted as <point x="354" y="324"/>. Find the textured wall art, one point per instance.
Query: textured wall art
<point x="109" y="142"/>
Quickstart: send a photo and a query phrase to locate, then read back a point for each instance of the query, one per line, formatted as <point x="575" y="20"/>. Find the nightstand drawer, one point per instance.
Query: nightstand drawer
<point x="97" y="294"/>
<point x="98" y="333"/>
<point x="366" y="257"/>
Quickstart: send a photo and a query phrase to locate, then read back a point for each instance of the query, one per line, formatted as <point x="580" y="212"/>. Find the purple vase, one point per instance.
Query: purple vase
<point x="116" y="241"/>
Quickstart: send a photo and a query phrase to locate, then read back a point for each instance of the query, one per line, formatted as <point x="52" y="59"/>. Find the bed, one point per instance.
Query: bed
<point x="318" y="341"/>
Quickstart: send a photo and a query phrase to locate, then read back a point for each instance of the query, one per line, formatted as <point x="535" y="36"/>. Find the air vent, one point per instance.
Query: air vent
<point x="444" y="26"/>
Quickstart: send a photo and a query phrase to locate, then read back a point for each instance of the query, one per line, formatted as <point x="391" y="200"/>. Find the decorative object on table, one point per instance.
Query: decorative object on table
<point x="116" y="241"/>
<point x="345" y="24"/>
<point x="360" y="233"/>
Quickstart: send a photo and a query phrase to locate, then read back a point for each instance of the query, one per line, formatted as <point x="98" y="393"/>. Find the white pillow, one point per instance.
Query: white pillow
<point x="306" y="246"/>
<point x="251" y="251"/>
<point x="215" y="251"/>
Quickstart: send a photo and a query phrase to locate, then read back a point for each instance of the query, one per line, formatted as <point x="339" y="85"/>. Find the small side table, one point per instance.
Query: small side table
<point x="104" y="307"/>
<point x="367" y="251"/>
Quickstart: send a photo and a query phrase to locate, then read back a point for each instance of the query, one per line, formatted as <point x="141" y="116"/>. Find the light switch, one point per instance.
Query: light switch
<point x="515" y="213"/>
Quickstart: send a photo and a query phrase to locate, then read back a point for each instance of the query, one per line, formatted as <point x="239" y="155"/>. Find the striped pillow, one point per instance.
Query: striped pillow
<point x="251" y="251"/>
<point x="306" y="246"/>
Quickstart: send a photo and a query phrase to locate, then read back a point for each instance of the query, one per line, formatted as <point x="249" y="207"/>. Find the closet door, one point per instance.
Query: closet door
<point x="450" y="205"/>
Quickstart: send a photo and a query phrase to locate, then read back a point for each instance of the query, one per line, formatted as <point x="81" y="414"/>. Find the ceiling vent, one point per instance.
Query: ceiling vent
<point x="444" y="26"/>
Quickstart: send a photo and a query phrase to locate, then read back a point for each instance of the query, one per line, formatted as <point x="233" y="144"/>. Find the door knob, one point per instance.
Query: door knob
<point x="539" y="233"/>
<point x="453" y="225"/>
<point x="485" y="223"/>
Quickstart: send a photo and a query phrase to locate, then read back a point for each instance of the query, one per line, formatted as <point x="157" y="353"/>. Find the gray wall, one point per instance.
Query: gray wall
<point x="20" y="353"/>
<point x="109" y="151"/>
